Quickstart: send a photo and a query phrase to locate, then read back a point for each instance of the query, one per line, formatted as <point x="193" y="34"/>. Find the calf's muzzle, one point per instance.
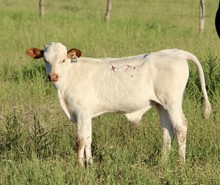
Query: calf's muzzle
<point x="53" y="77"/>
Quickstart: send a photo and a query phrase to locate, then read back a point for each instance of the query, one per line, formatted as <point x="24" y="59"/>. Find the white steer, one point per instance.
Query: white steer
<point x="88" y="87"/>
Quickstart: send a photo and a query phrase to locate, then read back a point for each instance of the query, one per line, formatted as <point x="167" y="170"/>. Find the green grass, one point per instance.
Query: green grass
<point x="37" y="141"/>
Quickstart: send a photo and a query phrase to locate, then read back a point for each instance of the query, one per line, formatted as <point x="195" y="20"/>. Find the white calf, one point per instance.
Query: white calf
<point x="89" y="87"/>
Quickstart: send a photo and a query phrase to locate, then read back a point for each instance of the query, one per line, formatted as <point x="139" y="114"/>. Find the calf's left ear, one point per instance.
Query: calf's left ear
<point x="35" y="53"/>
<point x="72" y="53"/>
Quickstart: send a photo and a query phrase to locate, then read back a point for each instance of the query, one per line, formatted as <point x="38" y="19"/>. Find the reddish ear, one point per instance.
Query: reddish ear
<point x="35" y="53"/>
<point x="74" y="52"/>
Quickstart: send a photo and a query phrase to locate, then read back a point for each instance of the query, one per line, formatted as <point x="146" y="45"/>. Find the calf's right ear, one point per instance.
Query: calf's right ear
<point x="35" y="53"/>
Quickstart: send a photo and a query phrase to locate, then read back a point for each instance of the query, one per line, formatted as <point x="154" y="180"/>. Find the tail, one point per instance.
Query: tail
<point x="189" y="56"/>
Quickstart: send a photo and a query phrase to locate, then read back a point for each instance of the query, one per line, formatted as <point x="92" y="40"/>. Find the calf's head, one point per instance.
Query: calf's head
<point x="56" y="58"/>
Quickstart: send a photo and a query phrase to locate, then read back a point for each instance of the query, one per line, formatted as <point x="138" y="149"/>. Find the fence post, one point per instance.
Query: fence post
<point x="202" y="15"/>
<point x="108" y="10"/>
<point x="41" y="8"/>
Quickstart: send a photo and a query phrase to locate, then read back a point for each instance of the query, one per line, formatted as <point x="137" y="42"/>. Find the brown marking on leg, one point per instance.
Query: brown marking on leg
<point x="79" y="143"/>
<point x="185" y="121"/>
<point x="181" y="132"/>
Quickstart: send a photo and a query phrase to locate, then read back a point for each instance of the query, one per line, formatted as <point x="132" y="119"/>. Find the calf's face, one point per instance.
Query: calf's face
<point x="56" y="58"/>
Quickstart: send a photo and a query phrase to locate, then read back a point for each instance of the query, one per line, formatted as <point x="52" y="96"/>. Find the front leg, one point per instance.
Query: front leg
<point x="84" y="139"/>
<point x="65" y="109"/>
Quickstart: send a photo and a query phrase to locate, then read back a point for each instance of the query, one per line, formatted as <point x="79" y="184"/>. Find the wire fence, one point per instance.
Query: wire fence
<point x="190" y="8"/>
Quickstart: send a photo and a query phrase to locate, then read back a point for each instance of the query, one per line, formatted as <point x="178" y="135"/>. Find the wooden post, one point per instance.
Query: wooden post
<point x="108" y="10"/>
<point x="202" y="15"/>
<point x="41" y="8"/>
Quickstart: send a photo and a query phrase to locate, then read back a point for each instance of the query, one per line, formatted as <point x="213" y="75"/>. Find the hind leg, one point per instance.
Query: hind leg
<point x="180" y="125"/>
<point x="181" y="132"/>
<point x="167" y="130"/>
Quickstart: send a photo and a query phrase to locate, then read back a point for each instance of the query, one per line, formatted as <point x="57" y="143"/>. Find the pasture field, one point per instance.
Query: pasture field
<point x="37" y="141"/>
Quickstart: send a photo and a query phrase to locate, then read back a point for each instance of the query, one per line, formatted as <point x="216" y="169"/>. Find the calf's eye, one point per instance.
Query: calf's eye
<point x="63" y="61"/>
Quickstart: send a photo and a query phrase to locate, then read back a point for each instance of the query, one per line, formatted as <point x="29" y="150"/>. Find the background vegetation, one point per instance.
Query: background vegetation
<point x="37" y="142"/>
